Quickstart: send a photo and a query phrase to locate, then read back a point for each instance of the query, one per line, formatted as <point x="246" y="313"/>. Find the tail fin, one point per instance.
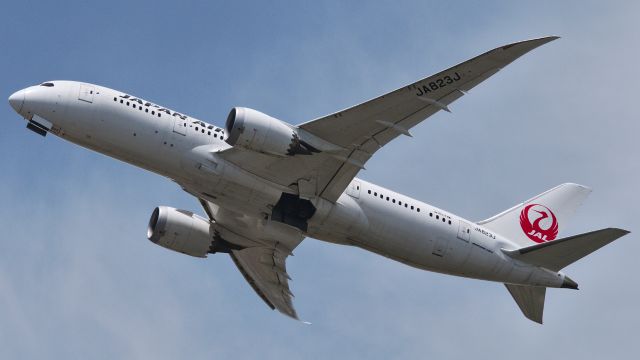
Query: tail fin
<point x="557" y="254"/>
<point x="530" y="299"/>
<point x="540" y="218"/>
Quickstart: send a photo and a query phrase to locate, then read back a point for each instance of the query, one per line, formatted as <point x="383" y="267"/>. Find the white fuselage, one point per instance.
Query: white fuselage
<point x="181" y="148"/>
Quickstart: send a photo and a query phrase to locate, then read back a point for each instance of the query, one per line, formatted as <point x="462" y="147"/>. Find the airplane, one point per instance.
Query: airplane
<point x="265" y="185"/>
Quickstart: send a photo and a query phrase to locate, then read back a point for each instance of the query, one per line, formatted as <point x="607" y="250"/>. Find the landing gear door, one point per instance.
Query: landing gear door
<point x="179" y="125"/>
<point x="464" y="231"/>
<point x="354" y="189"/>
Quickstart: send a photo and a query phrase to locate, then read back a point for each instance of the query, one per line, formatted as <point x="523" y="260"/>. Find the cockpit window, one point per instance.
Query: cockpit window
<point x="47" y="84"/>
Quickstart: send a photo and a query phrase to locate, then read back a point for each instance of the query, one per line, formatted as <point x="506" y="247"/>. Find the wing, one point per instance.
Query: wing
<point x="264" y="269"/>
<point x="259" y="249"/>
<point x="362" y="130"/>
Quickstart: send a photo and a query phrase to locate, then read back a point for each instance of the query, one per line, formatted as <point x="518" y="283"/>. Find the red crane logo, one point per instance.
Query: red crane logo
<point x="534" y="230"/>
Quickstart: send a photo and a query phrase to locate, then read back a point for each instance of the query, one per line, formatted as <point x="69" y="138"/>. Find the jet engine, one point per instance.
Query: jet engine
<point x="253" y="130"/>
<point x="181" y="231"/>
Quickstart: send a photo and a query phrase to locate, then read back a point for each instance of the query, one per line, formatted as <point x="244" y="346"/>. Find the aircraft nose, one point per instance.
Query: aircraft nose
<point x="16" y="100"/>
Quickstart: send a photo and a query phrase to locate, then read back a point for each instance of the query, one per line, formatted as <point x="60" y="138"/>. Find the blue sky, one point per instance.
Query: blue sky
<point x="79" y="279"/>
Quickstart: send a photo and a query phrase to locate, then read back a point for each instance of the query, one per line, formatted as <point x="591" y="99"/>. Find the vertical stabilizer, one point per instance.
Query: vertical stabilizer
<point x="541" y="218"/>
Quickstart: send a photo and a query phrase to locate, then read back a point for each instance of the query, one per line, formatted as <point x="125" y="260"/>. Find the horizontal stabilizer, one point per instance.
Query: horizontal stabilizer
<point x="555" y="255"/>
<point x="530" y="299"/>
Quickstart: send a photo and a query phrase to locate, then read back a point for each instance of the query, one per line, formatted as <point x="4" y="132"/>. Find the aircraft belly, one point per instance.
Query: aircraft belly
<point x="402" y="238"/>
<point x="424" y="243"/>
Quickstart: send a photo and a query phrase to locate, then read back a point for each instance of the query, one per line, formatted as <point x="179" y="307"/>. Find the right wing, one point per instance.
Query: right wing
<point x="260" y="253"/>
<point x="265" y="270"/>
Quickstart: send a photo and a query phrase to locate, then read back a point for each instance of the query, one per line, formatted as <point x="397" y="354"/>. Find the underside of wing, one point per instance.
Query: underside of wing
<point x="259" y="249"/>
<point x="358" y="132"/>
<point x="264" y="269"/>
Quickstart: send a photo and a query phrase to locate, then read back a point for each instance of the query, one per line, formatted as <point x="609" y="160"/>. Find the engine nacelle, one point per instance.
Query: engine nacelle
<point x="181" y="231"/>
<point x="253" y="130"/>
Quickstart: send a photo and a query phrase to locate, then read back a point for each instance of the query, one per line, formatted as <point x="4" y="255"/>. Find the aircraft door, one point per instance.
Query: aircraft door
<point x="86" y="93"/>
<point x="179" y="125"/>
<point x="464" y="231"/>
<point x="440" y="247"/>
<point x="354" y="189"/>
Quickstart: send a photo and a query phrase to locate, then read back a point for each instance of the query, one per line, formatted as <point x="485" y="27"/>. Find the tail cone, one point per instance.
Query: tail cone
<point x="569" y="284"/>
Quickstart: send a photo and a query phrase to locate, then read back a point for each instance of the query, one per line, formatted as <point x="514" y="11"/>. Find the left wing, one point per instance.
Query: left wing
<point x="362" y="130"/>
<point x="260" y="253"/>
